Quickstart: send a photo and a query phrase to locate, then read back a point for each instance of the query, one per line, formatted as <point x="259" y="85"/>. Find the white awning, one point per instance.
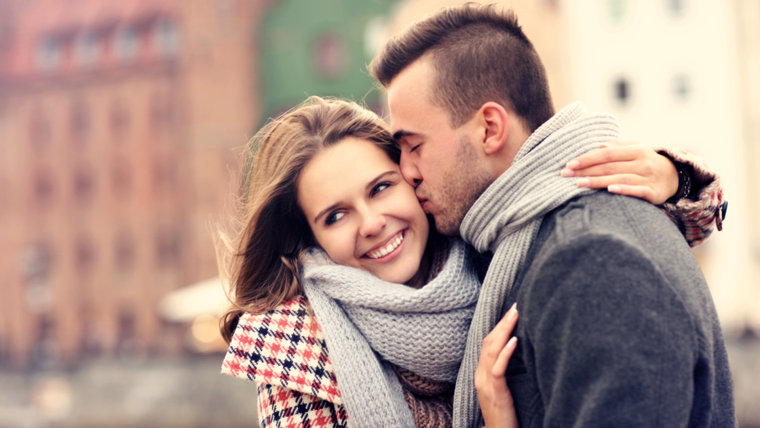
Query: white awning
<point x="186" y="303"/>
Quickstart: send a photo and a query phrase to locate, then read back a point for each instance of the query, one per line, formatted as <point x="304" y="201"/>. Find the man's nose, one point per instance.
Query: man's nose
<point x="372" y="223"/>
<point x="409" y="170"/>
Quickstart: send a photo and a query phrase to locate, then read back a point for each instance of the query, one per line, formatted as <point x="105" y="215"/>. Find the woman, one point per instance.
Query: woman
<point x="323" y="197"/>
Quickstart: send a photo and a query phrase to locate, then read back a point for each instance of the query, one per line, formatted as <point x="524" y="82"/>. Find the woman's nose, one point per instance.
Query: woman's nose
<point x="372" y="223"/>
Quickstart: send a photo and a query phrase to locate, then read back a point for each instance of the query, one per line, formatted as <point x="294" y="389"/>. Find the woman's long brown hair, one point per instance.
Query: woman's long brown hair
<point x="261" y="259"/>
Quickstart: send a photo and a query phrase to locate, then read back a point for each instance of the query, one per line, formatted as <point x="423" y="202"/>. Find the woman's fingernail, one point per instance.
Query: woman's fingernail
<point x="512" y="312"/>
<point x="584" y="182"/>
<point x="614" y="188"/>
<point x="603" y="145"/>
<point x="572" y="164"/>
<point x="567" y="172"/>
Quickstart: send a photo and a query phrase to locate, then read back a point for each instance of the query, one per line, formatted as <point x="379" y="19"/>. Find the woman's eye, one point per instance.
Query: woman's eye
<point x="333" y="217"/>
<point x="379" y="187"/>
<point x="413" y="148"/>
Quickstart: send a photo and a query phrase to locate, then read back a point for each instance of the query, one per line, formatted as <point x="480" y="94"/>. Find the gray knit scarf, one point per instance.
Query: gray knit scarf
<point x="506" y="218"/>
<point x="368" y="322"/>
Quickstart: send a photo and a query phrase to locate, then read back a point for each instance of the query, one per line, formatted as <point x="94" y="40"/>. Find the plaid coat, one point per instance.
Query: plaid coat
<point x="284" y="352"/>
<point x="696" y="219"/>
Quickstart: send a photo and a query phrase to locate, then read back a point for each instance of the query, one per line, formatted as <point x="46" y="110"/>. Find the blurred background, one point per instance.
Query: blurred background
<point x="122" y="129"/>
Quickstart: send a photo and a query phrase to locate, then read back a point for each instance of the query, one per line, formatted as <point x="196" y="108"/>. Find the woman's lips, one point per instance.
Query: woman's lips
<point x="388" y="248"/>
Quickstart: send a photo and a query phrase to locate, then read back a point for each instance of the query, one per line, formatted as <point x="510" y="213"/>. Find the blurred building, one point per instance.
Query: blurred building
<point x="122" y="127"/>
<point x="677" y="73"/>
<point x="120" y="124"/>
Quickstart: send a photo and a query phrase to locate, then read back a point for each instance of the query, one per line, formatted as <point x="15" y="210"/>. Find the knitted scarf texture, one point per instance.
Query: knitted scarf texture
<point x="368" y="322"/>
<point x="506" y="218"/>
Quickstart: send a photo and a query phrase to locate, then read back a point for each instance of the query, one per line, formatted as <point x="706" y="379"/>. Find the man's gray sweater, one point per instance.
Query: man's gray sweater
<point x="617" y="326"/>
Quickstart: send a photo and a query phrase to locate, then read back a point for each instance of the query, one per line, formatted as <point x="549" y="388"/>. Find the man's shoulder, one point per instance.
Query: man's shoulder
<point x="615" y="219"/>
<point x="608" y="226"/>
<point x="602" y="237"/>
<point x="605" y="214"/>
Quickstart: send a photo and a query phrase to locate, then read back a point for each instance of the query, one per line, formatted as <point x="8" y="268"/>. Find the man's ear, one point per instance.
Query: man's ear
<point x="494" y="121"/>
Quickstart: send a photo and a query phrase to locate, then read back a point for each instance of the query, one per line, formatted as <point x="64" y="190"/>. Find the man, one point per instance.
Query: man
<point x="617" y="327"/>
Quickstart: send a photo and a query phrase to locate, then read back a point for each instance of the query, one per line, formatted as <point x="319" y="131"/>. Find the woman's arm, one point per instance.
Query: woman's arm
<point x="688" y="191"/>
<point x="490" y="376"/>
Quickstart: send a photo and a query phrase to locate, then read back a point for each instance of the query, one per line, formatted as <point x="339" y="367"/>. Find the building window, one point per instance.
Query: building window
<point x="124" y="252"/>
<point x="161" y="112"/>
<point x="681" y="87"/>
<point x="168" y="247"/>
<point x="36" y="262"/>
<point x="622" y="91"/>
<point x="128" y="342"/>
<point x="87" y="49"/>
<point x="80" y="122"/>
<point x="165" y="174"/>
<point x="91" y="343"/>
<point x="126" y="44"/>
<point x="40" y="131"/>
<point x="45" y="348"/>
<point x="617" y="9"/>
<point x="84" y="185"/>
<point x="119" y="120"/>
<point x="36" y="266"/>
<point x="49" y="53"/>
<point x="166" y="38"/>
<point x="676" y="7"/>
<point x="329" y="56"/>
<point x="43" y="188"/>
<point x="84" y="255"/>
<point x="121" y="176"/>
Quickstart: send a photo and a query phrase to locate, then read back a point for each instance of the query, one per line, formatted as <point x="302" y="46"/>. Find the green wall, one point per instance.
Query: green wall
<point x="318" y="48"/>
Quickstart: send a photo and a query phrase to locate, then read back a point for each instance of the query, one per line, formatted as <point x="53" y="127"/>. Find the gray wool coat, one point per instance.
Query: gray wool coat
<point x="617" y="326"/>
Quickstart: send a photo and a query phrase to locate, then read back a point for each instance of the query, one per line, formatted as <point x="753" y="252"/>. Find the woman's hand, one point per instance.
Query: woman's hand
<point x="626" y="168"/>
<point x="490" y="380"/>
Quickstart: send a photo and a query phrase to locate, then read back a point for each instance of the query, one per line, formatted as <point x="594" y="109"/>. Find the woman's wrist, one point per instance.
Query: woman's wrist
<point x="684" y="183"/>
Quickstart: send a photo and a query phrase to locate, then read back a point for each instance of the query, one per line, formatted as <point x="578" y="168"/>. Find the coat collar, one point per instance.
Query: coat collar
<point x="283" y="347"/>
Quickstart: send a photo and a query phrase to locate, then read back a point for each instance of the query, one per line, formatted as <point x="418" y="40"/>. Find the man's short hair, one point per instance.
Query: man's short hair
<point x="480" y="54"/>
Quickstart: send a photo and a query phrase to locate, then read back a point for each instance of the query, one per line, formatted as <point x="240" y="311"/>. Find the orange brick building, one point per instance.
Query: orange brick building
<point x="119" y="124"/>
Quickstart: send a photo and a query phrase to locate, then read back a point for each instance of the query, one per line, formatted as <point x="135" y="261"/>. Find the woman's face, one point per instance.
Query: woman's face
<point x="362" y="212"/>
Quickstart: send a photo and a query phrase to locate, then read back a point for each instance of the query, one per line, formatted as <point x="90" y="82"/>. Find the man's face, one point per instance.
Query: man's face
<point x="441" y="162"/>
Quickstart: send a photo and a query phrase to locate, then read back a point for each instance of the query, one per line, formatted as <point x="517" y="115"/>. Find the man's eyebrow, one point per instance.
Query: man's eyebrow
<point x="401" y="134"/>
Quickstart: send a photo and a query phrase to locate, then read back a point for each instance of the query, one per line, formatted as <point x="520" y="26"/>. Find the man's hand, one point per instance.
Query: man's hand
<point x="626" y="168"/>
<point x="490" y="381"/>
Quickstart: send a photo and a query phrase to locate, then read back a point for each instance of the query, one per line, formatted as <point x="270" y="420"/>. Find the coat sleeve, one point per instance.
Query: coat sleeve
<point x="704" y="209"/>
<point x="613" y="345"/>
<point x="280" y="407"/>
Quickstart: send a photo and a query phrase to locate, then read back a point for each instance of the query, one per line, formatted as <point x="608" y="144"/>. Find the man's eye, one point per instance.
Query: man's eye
<point x="413" y="148"/>
<point x="379" y="187"/>
<point x="333" y="217"/>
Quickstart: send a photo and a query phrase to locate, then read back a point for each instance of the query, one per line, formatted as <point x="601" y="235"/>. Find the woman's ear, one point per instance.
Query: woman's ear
<point x="496" y="126"/>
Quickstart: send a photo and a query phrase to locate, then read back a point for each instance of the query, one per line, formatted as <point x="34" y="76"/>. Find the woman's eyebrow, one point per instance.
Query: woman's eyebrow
<point x="379" y="178"/>
<point x="368" y="187"/>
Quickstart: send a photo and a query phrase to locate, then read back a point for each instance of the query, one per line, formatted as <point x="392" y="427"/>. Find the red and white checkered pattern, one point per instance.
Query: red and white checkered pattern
<point x="284" y="352"/>
<point x="697" y="224"/>
<point x="697" y="219"/>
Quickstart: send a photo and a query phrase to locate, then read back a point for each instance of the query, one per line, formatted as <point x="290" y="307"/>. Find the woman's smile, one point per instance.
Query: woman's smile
<point x="388" y="249"/>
